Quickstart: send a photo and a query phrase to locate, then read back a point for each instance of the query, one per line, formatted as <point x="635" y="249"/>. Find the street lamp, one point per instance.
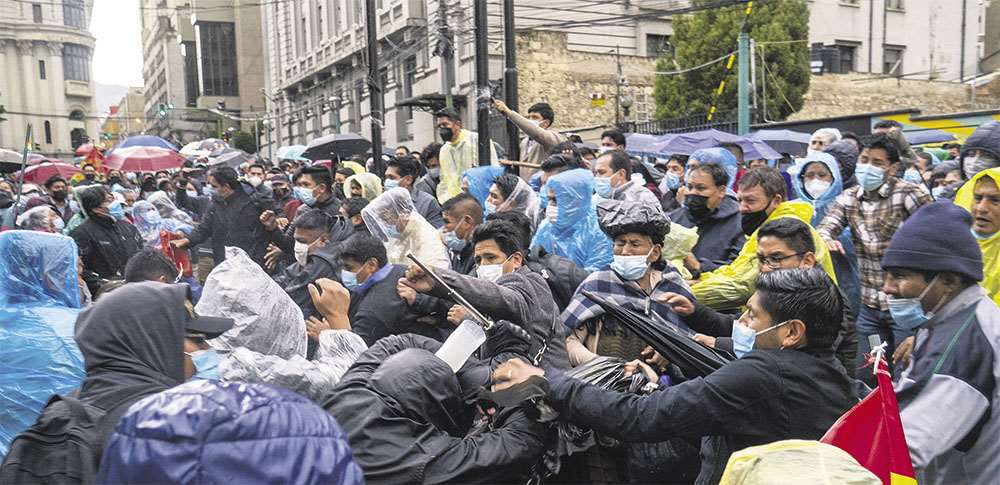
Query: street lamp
<point x="626" y="103"/>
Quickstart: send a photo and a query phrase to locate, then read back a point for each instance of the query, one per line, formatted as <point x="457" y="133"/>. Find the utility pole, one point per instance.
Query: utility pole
<point x="446" y="52"/>
<point x="374" y="89"/>
<point x="483" y="92"/>
<point x="510" y="76"/>
<point x="961" y="49"/>
<point x="618" y="86"/>
<point x="743" y="95"/>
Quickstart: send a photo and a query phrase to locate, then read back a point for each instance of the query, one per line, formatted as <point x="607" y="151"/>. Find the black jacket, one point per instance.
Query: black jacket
<point x="720" y="236"/>
<point x="235" y="221"/>
<point x="105" y="246"/>
<point x="428" y="207"/>
<point x="378" y="311"/>
<point x="405" y="418"/>
<point x="341" y="230"/>
<point x="428" y="185"/>
<point x="464" y="262"/>
<point x="766" y="396"/>
<point x="295" y="278"/>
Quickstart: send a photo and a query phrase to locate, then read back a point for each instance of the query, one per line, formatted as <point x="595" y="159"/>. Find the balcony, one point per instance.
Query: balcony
<point x="79" y="88"/>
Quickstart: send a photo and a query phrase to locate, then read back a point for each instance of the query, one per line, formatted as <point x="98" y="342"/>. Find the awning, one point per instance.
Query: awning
<point x="430" y="102"/>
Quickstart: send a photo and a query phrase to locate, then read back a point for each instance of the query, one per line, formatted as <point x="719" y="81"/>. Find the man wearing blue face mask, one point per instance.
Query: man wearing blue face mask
<point x="106" y="239"/>
<point x="461" y="214"/>
<point x="613" y="179"/>
<point x="873" y="211"/>
<point x="933" y="264"/>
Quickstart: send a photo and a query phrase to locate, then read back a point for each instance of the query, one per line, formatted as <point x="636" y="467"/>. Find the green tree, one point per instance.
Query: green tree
<point x="243" y="141"/>
<point x="709" y="34"/>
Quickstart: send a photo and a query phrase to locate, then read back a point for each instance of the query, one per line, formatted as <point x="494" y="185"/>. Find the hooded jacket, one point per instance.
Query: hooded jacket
<point x="720" y="235"/>
<point x="39" y="303"/>
<point x="990" y="246"/>
<point x="846" y="154"/>
<point x="730" y="286"/>
<point x="105" y="246"/>
<point x="986" y="137"/>
<point x="479" y="180"/>
<point x="575" y="234"/>
<point x="217" y="432"/>
<point x="404" y="414"/>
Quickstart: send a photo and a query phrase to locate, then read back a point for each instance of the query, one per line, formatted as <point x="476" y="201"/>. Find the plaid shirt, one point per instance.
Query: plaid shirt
<point x="628" y="294"/>
<point x="873" y="222"/>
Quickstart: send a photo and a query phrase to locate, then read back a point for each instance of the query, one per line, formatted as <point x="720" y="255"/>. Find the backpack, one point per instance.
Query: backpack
<point x="561" y="274"/>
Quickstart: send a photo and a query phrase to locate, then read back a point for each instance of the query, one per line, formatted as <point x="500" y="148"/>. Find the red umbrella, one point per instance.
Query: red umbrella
<point x="37" y="174"/>
<point x="143" y="159"/>
<point x="86" y="149"/>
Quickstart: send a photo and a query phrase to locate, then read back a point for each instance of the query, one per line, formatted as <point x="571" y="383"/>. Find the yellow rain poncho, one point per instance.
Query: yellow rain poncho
<point x="371" y="185"/>
<point x="455" y="158"/>
<point x="355" y="167"/>
<point x="795" y="462"/>
<point x="991" y="246"/>
<point x="730" y="286"/>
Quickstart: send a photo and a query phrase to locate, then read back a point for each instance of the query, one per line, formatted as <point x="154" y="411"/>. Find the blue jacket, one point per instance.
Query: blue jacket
<point x="39" y="303"/>
<point x="575" y="234"/>
<point x="208" y="431"/>
<point x="720" y="235"/>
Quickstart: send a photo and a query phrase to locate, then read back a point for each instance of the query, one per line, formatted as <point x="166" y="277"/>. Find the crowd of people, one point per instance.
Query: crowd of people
<point x="270" y="323"/>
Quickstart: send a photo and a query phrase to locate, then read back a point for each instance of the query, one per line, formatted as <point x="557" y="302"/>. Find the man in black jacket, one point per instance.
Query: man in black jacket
<point x="789" y="387"/>
<point x="462" y="213"/>
<point x="106" y="240"/>
<point x="315" y="258"/>
<point x="716" y="216"/>
<point x="234" y="217"/>
<point x="314" y="187"/>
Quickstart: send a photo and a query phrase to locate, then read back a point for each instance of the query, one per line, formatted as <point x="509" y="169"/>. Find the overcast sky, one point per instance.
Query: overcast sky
<point x="118" y="55"/>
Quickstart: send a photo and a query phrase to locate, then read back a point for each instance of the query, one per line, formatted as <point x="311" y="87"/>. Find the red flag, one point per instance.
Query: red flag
<point x="872" y="433"/>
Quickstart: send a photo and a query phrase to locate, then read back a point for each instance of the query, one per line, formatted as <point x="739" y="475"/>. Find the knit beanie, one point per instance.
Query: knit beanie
<point x="936" y="238"/>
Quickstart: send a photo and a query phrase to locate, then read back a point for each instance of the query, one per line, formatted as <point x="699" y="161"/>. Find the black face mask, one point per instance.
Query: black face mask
<point x="88" y="176"/>
<point x="697" y="206"/>
<point x="59" y="195"/>
<point x="114" y="180"/>
<point x="149" y="185"/>
<point x="750" y="222"/>
<point x="446" y="134"/>
<point x="281" y="193"/>
<point x="338" y="190"/>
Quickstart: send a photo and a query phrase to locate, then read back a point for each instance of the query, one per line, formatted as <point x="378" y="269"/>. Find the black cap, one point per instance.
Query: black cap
<point x="210" y="327"/>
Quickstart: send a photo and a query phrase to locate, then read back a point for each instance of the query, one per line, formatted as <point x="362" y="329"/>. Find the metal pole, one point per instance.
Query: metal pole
<point x="270" y="144"/>
<point x="28" y="136"/>
<point x="374" y="89"/>
<point x="871" y="33"/>
<point x="743" y="104"/>
<point x="256" y="138"/>
<point x="446" y="52"/>
<point x="483" y="93"/>
<point x="961" y="55"/>
<point x="618" y="86"/>
<point x="510" y="77"/>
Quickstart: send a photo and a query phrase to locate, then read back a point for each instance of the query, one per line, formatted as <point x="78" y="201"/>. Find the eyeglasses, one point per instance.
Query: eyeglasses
<point x="774" y="262"/>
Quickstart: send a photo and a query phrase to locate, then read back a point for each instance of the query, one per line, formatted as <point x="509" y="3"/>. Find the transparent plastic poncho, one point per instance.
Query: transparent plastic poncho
<point x="392" y="219"/>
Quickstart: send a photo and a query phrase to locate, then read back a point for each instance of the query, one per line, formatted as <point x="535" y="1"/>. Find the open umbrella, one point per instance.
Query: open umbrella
<point x="145" y="141"/>
<point x="291" y="152"/>
<point x="193" y="149"/>
<point x="86" y="149"/>
<point x="693" y="358"/>
<point x="336" y="145"/>
<point x="143" y="159"/>
<point x="230" y="157"/>
<point x="924" y="137"/>
<point x="688" y="143"/>
<point x="37" y="174"/>
<point x="784" y="141"/>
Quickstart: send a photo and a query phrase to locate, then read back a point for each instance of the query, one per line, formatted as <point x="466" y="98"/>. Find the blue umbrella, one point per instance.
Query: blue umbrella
<point x="640" y="144"/>
<point x="783" y="141"/>
<point x="688" y="143"/>
<point x="292" y="152"/>
<point x="145" y="141"/>
<point x="924" y="137"/>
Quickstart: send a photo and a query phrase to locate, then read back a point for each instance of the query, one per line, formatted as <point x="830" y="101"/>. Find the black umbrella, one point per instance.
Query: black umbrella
<point x="692" y="357"/>
<point x="336" y="145"/>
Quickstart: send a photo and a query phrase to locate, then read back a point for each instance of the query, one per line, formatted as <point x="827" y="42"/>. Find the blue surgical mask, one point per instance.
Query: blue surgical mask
<point x="454" y="242"/>
<point x="602" y="186"/>
<point x="210" y="190"/>
<point x="938" y="192"/>
<point x="744" y="337"/>
<point x="192" y="193"/>
<point x="117" y="211"/>
<point x="631" y="268"/>
<point x="981" y="237"/>
<point x="909" y="312"/>
<point x="912" y="175"/>
<point x="349" y="279"/>
<point x="869" y="176"/>
<point x="206" y="364"/>
<point x="391" y="184"/>
<point x="391" y="232"/>
<point x="673" y="181"/>
<point x="305" y="195"/>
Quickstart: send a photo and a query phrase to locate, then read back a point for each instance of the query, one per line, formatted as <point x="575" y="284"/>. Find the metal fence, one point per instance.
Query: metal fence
<point x="722" y="121"/>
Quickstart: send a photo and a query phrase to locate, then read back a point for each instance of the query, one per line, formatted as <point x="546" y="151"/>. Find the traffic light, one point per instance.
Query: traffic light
<point x="161" y="110"/>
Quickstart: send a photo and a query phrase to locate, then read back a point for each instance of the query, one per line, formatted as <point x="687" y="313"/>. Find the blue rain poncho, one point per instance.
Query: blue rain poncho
<point x="845" y="266"/>
<point x="39" y="303"/>
<point x="718" y="156"/>
<point x="575" y="234"/>
<point x="479" y="180"/>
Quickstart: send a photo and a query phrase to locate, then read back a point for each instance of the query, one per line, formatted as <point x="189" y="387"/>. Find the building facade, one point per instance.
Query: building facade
<point x="124" y="118"/>
<point x="203" y="65"/>
<point x="46" y="51"/>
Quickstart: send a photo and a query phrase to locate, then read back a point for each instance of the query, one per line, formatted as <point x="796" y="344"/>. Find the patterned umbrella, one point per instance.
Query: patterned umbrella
<point x="85" y="149"/>
<point x="145" y="141"/>
<point x="144" y="159"/>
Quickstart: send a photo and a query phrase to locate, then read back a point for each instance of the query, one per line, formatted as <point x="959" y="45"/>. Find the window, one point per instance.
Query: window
<point x="217" y="58"/>
<point x="641" y="107"/>
<point x="894" y="4"/>
<point x="36" y="12"/>
<point x="74" y="14"/>
<point x="76" y="62"/>
<point x="319" y="23"/>
<point x="48" y="132"/>
<point x="188" y="50"/>
<point x="77" y="137"/>
<point x="41" y="69"/>
<point x="657" y="45"/>
<point x="892" y="60"/>
<point x="409" y="79"/>
<point x="847" y="52"/>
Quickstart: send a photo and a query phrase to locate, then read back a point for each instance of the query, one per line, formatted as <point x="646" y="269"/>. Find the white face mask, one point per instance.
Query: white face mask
<point x="301" y="253"/>
<point x="816" y="187"/>
<point x="552" y="213"/>
<point x="490" y="272"/>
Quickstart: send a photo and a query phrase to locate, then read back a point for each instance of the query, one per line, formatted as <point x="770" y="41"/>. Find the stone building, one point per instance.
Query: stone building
<point x="124" y="118"/>
<point x="45" y="51"/>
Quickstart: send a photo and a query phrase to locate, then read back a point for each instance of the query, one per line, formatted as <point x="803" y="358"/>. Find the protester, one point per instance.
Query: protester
<point x="392" y="219"/>
<point x="539" y="138"/>
<point x="150" y="265"/>
<point x="672" y="181"/>
<point x="846" y="154"/>
<point x="459" y="153"/>
<point x="511" y="193"/>
<point x="873" y="211"/>
<point x="613" y="179"/>
<point x="429" y="159"/>
<point x="613" y="140"/>
<point x="315" y="258"/>
<point x="981" y="150"/>
<point x="462" y="214"/>
<point x="636" y="279"/>
<point x="719" y="156"/>
<point x="793" y="319"/>
<point x="150" y="223"/>
<point x="710" y="209"/>
<point x="58" y="191"/>
<point x="822" y="138"/>
<point x="477" y="181"/>
<point x="570" y="228"/>
<point x="402" y="172"/>
<point x="282" y="193"/>
<point x="351" y="210"/>
<point x="932" y="265"/>
<point x="981" y="197"/>
<point x="366" y="185"/>
<point x="41" y="218"/>
<point x="106" y="241"/>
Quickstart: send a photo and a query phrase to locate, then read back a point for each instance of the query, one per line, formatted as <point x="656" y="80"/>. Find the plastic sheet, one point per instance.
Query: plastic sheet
<point x="167" y="208"/>
<point x="315" y="379"/>
<point x="617" y="217"/>
<point x="677" y="244"/>
<point x="718" y="156"/>
<point x="36" y="219"/>
<point x="523" y="200"/>
<point x="575" y="234"/>
<point x="39" y="303"/>
<point x="795" y="462"/>
<point x="150" y="225"/>
<point x="478" y="180"/>
<point x="392" y="218"/>
<point x="267" y="320"/>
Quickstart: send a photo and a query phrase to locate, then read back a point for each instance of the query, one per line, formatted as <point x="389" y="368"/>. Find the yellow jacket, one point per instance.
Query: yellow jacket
<point x="455" y="158"/>
<point x="731" y="286"/>
<point x="991" y="246"/>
